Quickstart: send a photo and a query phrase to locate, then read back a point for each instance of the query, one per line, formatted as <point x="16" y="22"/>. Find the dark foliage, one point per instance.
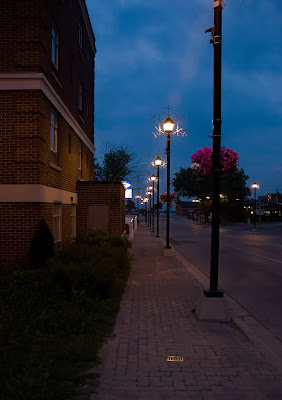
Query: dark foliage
<point x="54" y="319"/>
<point x="41" y="246"/>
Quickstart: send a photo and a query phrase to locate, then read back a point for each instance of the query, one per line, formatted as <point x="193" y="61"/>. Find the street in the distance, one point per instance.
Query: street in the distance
<point x="250" y="264"/>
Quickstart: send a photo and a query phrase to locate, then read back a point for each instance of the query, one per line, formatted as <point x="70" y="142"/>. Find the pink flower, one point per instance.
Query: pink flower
<point x="163" y="197"/>
<point x="202" y="161"/>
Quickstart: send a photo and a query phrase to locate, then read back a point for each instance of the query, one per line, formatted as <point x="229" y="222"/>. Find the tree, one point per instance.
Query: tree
<point x="130" y="206"/>
<point x="234" y="190"/>
<point x="118" y="163"/>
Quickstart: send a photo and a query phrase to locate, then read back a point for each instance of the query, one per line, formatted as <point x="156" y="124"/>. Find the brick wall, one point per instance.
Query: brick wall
<point x="19" y="222"/>
<point x="25" y="46"/>
<point x="101" y="193"/>
<point x="25" y="144"/>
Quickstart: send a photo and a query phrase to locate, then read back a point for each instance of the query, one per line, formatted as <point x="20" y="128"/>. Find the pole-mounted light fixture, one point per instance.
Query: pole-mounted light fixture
<point x="168" y="125"/>
<point x="158" y="163"/>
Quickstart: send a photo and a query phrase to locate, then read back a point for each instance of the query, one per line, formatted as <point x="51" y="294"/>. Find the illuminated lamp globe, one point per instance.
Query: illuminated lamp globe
<point x="168" y="125"/>
<point x="158" y="161"/>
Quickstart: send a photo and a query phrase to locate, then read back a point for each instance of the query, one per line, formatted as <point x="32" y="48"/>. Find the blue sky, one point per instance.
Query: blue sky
<point x="151" y="53"/>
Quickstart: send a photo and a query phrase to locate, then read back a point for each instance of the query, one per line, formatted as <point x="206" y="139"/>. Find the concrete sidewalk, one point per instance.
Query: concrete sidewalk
<point x="156" y="320"/>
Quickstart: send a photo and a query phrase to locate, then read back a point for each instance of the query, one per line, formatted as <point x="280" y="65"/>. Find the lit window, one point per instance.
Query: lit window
<point x="73" y="220"/>
<point x="54" y="136"/>
<point x="55" y="47"/>
<point x="80" y="94"/>
<point x="57" y="222"/>
<point x="80" y="36"/>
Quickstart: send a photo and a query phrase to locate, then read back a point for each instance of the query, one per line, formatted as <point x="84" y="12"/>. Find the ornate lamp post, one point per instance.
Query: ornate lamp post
<point x="145" y="200"/>
<point x="138" y="197"/>
<point x="150" y="189"/>
<point x="158" y="162"/>
<point x="153" y="179"/>
<point x="168" y="126"/>
<point x="255" y="186"/>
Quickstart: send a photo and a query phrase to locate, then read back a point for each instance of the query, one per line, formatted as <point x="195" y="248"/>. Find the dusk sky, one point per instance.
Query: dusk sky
<point x="154" y="53"/>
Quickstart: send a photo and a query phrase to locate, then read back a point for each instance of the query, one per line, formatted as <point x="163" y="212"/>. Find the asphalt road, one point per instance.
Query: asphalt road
<point x="250" y="263"/>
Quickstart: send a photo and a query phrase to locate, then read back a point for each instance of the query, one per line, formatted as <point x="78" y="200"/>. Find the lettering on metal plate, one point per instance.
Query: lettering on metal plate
<point x="175" y="358"/>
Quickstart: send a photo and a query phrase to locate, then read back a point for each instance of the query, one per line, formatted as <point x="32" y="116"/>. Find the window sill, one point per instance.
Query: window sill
<point x="56" y="79"/>
<point x="54" y="166"/>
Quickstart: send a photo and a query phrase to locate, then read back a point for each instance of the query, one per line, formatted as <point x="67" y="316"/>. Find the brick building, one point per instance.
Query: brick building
<point x="47" y="118"/>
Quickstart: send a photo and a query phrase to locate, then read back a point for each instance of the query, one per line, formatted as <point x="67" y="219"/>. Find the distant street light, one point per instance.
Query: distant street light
<point x="137" y="197"/>
<point x="150" y="189"/>
<point x="145" y="200"/>
<point x="158" y="163"/>
<point x="153" y="179"/>
<point x="255" y="186"/>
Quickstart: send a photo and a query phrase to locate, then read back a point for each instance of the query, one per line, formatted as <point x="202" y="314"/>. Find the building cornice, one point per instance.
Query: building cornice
<point x="38" y="81"/>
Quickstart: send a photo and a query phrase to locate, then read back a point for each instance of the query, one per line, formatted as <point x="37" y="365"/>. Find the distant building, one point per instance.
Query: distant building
<point x="271" y="198"/>
<point x="47" y="120"/>
<point x="186" y="208"/>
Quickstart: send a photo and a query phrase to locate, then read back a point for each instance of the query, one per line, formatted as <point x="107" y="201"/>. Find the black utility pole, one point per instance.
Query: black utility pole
<point x="217" y="43"/>
<point x="167" y="191"/>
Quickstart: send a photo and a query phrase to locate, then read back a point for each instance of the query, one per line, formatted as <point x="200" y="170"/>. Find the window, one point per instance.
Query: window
<point x="54" y="136"/>
<point x="80" y="93"/>
<point x="57" y="222"/>
<point x="73" y="220"/>
<point x="80" y="36"/>
<point x="80" y="159"/>
<point x="55" y="47"/>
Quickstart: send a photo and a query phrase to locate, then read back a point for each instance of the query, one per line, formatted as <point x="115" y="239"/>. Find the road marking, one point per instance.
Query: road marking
<point x="250" y="252"/>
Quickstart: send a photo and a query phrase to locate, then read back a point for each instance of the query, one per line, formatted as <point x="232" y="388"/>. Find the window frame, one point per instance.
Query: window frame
<point x="55" y="47"/>
<point x="80" y="158"/>
<point x="73" y="221"/>
<point x="80" y="36"/>
<point x="80" y="96"/>
<point x="54" y="132"/>
<point x="57" y="216"/>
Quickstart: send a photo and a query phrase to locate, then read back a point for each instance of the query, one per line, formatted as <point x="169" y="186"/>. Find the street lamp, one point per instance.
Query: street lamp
<point x="158" y="163"/>
<point x="145" y="200"/>
<point x="137" y="197"/>
<point x="255" y="186"/>
<point x="150" y="189"/>
<point x="168" y="126"/>
<point x="153" y="179"/>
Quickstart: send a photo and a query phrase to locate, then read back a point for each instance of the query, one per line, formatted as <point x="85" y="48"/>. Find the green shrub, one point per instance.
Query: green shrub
<point x="54" y="319"/>
<point x="41" y="246"/>
<point x="99" y="238"/>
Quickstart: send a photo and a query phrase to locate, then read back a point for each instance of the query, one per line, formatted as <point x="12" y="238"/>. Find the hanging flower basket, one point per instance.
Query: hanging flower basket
<point x="163" y="197"/>
<point x="202" y="161"/>
<point x="158" y="205"/>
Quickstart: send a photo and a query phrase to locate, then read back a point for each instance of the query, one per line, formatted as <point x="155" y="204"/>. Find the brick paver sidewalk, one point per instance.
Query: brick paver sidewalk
<point x="156" y="320"/>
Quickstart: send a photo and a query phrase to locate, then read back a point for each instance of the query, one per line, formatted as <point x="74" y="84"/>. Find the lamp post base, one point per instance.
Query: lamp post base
<point x="213" y="308"/>
<point x="168" y="252"/>
<point x="213" y="293"/>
